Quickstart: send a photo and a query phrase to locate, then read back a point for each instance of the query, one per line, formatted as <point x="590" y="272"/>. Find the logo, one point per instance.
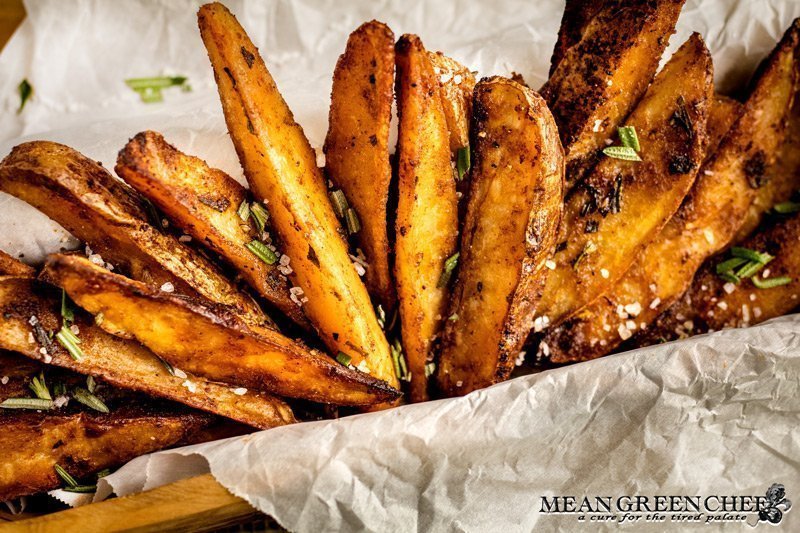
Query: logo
<point x="714" y="509"/>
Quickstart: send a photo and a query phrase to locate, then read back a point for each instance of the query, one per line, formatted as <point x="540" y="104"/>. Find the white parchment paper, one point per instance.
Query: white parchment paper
<point x="717" y="414"/>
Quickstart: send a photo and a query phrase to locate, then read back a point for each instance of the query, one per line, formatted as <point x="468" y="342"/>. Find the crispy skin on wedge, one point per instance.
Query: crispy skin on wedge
<point x="601" y="78"/>
<point x="280" y="166"/>
<point x="708" y="306"/>
<point x="514" y="208"/>
<point x="91" y="204"/>
<point x="83" y="443"/>
<point x="659" y="275"/>
<point x="577" y="15"/>
<point x="10" y="266"/>
<point x="204" y="203"/>
<point x="426" y="229"/>
<point x="212" y="342"/>
<point x="357" y="145"/>
<point x="120" y="362"/>
<point x="456" y="83"/>
<point x="622" y="205"/>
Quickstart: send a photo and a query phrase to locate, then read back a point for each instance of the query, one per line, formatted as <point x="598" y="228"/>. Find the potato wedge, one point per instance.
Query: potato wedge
<point x="203" y="202"/>
<point x="712" y="303"/>
<point x="280" y="166"/>
<point x="10" y="266"/>
<point x="426" y="229"/>
<point x="456" y="83"/>
<point x="357" y="144"/>
<point x="622" y="205"/>
<point x="75" y="437"/>
<point x="210" y="342"/>
<point x="102" y="211"/>
<point x="661" y="273"/>
<point x="514" y="209"/>
<point x="120" y="362"/>
<point x="577" y="15"/>
<point x="601" y="78"/>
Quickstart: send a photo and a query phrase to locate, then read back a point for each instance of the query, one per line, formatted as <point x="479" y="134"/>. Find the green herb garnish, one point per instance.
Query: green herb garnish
<point x="769" y="283"/>
<point x="244" y="210"/>
<point x="430" y="368"/>
<point x="339" y="202"/>
<point x="628" y="137"/>
<point x="399" y="361"/>
<point x="786" y="208"/>
<point x="39" y="387"/>
<point x="149" y="89"/>
<point x="70" y="342"/>
<point x="352" y="222"/>
<point x="27" y="403"/>
<point x="343" y="358"/>
<point x="66" y="310"/>
<point x="84" y="489"/>
<point x="729" y="265"/>
<point x="751" y="255"/>
<point x="463" y="161"/>
<point x="91" y="384"/>
<point x="65" y="476"/>
<point x="622" y="152"/>
<point x="449" y="266"/>
<point x="90" y="400"/>
<point x="25" y="90"/>
<point x="260" y="216"/>
<point x="262" y="251"/>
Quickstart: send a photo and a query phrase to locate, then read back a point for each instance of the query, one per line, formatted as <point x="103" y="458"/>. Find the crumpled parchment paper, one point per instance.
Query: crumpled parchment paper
<point x="717" y="414"/>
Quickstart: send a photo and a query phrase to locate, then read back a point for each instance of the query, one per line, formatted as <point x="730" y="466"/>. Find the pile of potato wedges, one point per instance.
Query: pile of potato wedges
<point x="619" y="206"/>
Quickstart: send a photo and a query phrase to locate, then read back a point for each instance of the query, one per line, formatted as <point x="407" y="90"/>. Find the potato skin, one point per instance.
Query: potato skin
<point x="10" y="266"/>
<point x="357" y="144"/>
<point x="600" y="79"/>
<point x="281" y="168"/>
<point x="663" y="270"/>
<point x="622" y="205"/>
<point x="102" y="211"/>
<point x="78" y="439"/>
<point x="203" y="202"/>
<point x="120" y="362"/>
<point x="514" y="208"/>
<point x="427" y="208"/>
<point x="577" y="15"/>
<point x="211" y="342"/>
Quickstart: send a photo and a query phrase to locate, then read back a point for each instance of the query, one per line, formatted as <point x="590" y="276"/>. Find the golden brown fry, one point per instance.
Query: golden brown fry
<point x="83" y="197"/>
<point x="601" y="78"/>
<point x="204" y="203"/>
<point x="577" y="15"/>
<point x="280" y="166"/>
<point x="9" y="266"/>
<point x="456" y="83"/>
<point x="709" y="306"/>
<point x="212" y="342"/>
<point x="78" y="439"/>
<point x="120" y="362"/>
<point x="662" y="271"/>
<point x="623" y="205"/>
<point x="357" y="145"/>
<point x="427" y="210"/>
<point x="514" y="208"/>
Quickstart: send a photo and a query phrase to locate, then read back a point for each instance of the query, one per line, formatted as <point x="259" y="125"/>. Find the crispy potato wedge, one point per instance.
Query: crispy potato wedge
<point x="211" y="342"/>
<point x="120" y="362"/>
<point x="601" y="78"/>
<point x="91" y="204"/>
<point x="622" y="205"/>
<point x="357" y="144"/>
<point x="709" y="306"/>
<point x="456" y="83"/>
<point x="577" y="15"/>
<point x="203" y="202"/>
<point x="10" y="266"/>
<point x="513" y="212"/>
<point x="280" y="166"/>
<point x="426" y="230"/>
<point x="75" y="437"/>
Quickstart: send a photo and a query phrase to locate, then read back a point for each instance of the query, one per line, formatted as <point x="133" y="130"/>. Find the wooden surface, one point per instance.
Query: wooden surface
<point x="195" y="504"/>
<point x="11" y="14"/>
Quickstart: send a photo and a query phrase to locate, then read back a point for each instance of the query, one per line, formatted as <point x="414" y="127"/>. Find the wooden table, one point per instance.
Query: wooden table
<point x="196" y="504"/>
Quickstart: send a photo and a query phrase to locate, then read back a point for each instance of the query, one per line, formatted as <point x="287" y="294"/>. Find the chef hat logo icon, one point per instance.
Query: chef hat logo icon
<point x="775" y="506"/>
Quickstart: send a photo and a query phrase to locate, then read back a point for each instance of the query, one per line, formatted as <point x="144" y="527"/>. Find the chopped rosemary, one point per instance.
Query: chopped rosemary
<point x="262" y="251"/>
<point x="352" y="221"/>
<point x="588" y="248"/>
<point x="244" y="210"/>
<point x="25" y="90"/>
<point x="786" y="208"/>
<point x="769" y="283"/>
<point x="729" y="265"/>
<point x="27" y="403"/>
<point x="59" y="389"/>
<point x="343" y="358"/>
<point x="66" y="310"/>
<point x="90" y="400"/>
<point x="65" y="476"/>
<point x="70" y="342"/>
<point x="339" y="202"/>
<point x="430" y="369"/>
<point x="751" y="255"/>
<point x="84" y="489"/>
<point x="749" y="269"/>
<point x="399" y="360"/>
<point x="260" y="216"/>
<point x="628" y="137"/>
<point x="449" y="266"/>
<point x="463" y="162"/>
<point x="166" y="365"/>
<point x="381" y="314"/>
<point x="39" y="387"/>
<point x="91" y="384"/>
<point x="625" y="153"/>
<point x="730" y="276"/>
<point x="103" y="473"/>
<point x="149" y="89"/>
